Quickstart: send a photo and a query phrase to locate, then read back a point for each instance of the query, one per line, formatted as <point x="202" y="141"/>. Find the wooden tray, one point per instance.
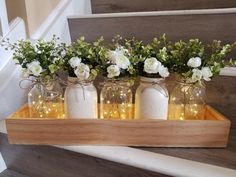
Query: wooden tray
<point x="213" y="131"/>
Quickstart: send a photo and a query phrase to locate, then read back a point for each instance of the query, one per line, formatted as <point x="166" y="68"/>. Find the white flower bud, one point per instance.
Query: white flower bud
<point x="151" y="65"/>
<point x="35" y="68"/>
<point x="82" y="71"/>
<point x="118" y="58"/>
<point x="113" y="71"/>
<point x="206" y="73"/>
<point x="163" y="71"/>
<point x="74" y="62"/>
<point x="194" y="62"/>
<point x="197" y="75"/>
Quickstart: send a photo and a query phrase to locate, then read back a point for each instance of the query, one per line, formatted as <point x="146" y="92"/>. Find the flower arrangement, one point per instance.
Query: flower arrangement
<point x="41" y="60"/>
<point x="116" y="60"/>
<point x="194" y="61"/>
<point x="123" y="58"/>
<point x="149" y="60"/>
<point x="82" y="59"/>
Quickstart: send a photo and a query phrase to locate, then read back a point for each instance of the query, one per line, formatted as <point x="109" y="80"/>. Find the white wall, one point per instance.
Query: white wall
<point x="57" y="24"/>
<point x="3" y="18"/>
<point x="12" y="97"/>
<point x="1" y="34"/>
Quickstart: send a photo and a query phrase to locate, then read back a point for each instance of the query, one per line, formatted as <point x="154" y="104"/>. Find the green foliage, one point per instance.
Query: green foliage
<point x="92" y="54"/>
<point x="54" y="56"/>
<point x="48" y="53"/>
<point x="212" y="56"/>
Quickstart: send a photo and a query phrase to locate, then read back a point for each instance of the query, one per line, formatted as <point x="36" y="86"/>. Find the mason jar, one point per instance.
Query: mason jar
<point x="151" y="99"/>
<point x="116" y="100"/>
<point x="45" y="99"/>
<point x="187" y="101"/>
<point x="81" y="99"/>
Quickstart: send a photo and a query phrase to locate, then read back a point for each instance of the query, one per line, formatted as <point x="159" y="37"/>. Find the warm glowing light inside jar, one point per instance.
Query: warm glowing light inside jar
<point x="46" y="109"/>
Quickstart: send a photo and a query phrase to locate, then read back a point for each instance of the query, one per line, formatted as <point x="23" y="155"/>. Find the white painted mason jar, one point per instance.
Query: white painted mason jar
<point x="81" y="99"/>
<point x="151" y="99"/>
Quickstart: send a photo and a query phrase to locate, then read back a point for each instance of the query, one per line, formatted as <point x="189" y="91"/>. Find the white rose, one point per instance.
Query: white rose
<point x="74" y="62"/>
<point x="151" y="65"/>
<point x="163" y="71"/>
<point x="25" y="73"/>
<point x="82" y="71"/>
<point x="197" y="75"/>
<point x="194" y="62"/>
<point x="206" y="73"/>
<point x="35" y="68"/>
<point x="118" y="58"/>
<point x="113" y="70"/>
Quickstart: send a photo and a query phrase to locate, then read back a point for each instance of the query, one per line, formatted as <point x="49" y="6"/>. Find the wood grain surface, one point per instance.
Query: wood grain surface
<point x="11" y="173"/>
<point x="206" y="27"/>
<point x="221" y="94"/>
<point x="115" y="6"/>
<point x="211" y="132"/>
<point x="48" y="161"/>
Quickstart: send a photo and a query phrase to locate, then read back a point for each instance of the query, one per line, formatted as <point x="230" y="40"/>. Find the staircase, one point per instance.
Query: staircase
<point x="116" y="6"/>
<point x="143" y="19"/>
<point x="48" y="161"/>
<point x="206" y="24"/>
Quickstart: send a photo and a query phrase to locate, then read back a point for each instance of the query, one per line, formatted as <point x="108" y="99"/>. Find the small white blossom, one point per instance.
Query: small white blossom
<point x="25" y="73"/>
<point x="151" y="65"/>
<point x="224" y="49"/>
<point x="82" y="71"/>
<point x="163" y="71"/>
<point x="113" y="71"/>
<point x="206" y="73"/>
<point x="123" y="50"/>
<point x="63" y="54"/>
<point x="37" y="50"/>
<point x="194" y="62"/>
<point x="74" y="62"/>
<point x="118" y="58"/>
<point x="197" y="75"/>
<point x="35" y="68"/>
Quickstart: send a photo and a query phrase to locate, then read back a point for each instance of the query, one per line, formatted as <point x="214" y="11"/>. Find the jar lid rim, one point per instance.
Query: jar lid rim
<point x="151" y="79"/>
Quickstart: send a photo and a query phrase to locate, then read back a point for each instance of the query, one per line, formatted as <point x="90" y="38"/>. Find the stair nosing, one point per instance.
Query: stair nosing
<point x="158" y="13"/>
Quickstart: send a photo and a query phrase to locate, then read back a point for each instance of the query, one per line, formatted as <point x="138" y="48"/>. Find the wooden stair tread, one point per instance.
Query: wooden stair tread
<point x="49" y="161"/>
<point x="114" y="6"/>
<point x="11" y="173"/>
<point x="203" y="25"/>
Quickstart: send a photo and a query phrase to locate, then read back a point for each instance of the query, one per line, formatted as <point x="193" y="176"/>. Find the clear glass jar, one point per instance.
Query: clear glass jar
<point x="45" y="100"/>
<point x="81" y="99"/>
<point x="187" y="101"/>
<point x="116" y="100"/>
<point x="151" y="99"/>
